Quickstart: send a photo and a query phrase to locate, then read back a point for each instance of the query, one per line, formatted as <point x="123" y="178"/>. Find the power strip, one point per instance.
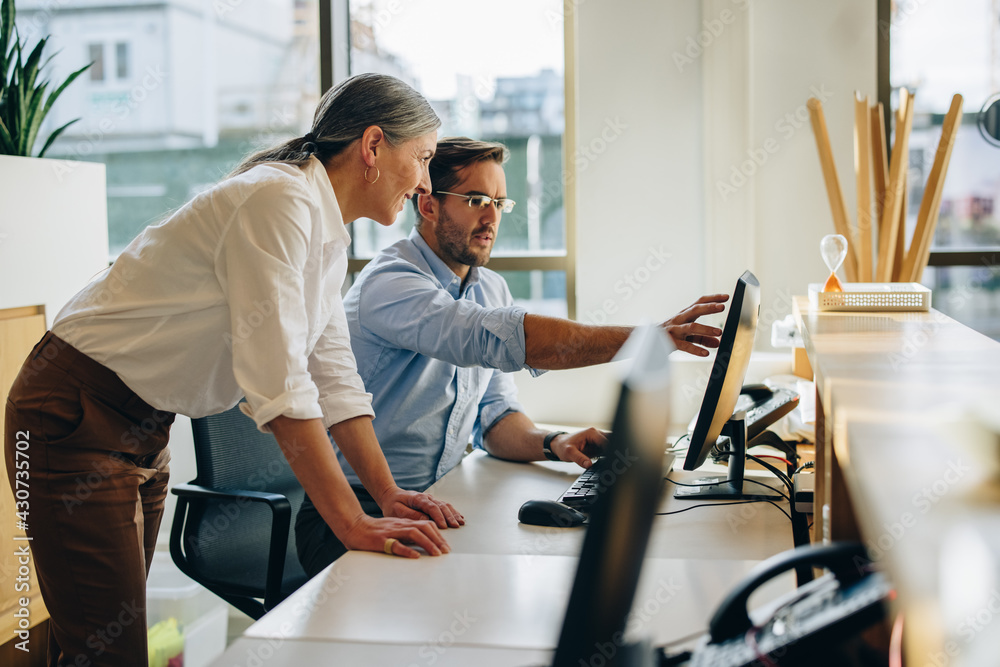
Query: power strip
<point x="803" y="484"/>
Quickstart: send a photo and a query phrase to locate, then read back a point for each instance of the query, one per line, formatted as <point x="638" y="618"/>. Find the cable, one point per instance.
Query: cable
<point x="777" y="473"/>
<point x="722" y="481"/>
<point x="726" y="481"/>
<point x="896" y="642"/>
<point x="693" y="635"/>
<point x="751" y="640"/>
<point x="676" y="447"/>
<point x="769" y="488"/>
<point x="779" y="458"/>
<point x="807" y="464"/>
<point x="735" y="502"/>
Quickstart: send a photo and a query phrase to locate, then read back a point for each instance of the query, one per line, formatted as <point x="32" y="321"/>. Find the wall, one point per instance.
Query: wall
<point x="673" y="97"/>
<point x="53" y="230"/>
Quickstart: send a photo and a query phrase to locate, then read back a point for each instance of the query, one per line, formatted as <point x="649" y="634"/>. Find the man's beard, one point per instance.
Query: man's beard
<point x="453" y="242"/>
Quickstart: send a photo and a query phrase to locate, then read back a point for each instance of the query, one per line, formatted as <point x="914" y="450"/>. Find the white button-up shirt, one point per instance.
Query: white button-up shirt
<point x="236" y="294"/>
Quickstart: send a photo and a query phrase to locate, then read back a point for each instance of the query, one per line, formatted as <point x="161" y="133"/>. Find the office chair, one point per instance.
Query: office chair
<point x="233" y="527"/>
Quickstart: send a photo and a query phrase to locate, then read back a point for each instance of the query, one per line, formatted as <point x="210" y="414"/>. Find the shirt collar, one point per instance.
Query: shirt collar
<point x="334" y="228"/>
<point x="440" y="270"/>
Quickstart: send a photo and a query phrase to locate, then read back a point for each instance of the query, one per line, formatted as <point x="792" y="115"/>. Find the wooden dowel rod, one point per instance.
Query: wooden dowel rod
<point x="888" y="229"/>
<point x="862" y="159"/>
<point x="836" y="197"/>
<point x="930" y="205"/>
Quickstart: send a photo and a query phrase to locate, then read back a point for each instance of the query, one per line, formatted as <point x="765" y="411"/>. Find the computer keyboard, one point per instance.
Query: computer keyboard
<point x="769" y="410"/>
<point x="760" y="415"/>
<point x="819" y="620"/>
<point x="587" y="487"/>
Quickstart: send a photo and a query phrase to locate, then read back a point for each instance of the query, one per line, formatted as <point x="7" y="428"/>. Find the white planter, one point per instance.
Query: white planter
<point x="53" y="230"/>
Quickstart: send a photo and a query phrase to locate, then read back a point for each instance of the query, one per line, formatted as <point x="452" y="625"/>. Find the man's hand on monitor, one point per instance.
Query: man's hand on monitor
<point x="580" y="447"/>
<point x="690" y="336"/>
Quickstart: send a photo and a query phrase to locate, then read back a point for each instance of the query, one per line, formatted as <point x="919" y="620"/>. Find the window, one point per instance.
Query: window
<point x="467" y="60"/>
<point x="96" y="54"/>
<point x="121" y="60"/>
<point x="939" y="48"/>
<point x="193" y="93"/>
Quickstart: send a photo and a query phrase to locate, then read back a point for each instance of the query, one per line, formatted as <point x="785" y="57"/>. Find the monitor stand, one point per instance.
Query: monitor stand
<point x="733" y="486"/>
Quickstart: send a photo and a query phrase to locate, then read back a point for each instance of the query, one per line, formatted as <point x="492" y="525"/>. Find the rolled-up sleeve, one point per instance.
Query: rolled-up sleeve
<point x="408" y="310"/>
<point x="260" y="267"/>
<point x="342" y="394"/>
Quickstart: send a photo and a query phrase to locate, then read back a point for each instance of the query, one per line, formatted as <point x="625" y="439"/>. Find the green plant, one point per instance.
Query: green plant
<point x="23" y="103"/>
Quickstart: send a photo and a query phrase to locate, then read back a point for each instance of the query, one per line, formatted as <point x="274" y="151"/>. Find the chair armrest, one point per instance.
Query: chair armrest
<point x="281" y="511"/>
<point x="196" y="491"/>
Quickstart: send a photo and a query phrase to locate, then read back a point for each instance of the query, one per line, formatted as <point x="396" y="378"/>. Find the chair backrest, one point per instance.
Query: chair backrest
<point x="226" y="541"/>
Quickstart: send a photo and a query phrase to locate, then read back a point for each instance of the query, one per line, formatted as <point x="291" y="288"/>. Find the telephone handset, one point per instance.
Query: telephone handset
<point x="823" y="613"/>
<point x="845" y="560"/>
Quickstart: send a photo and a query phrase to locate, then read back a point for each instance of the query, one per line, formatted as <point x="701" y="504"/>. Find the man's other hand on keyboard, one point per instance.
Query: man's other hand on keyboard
<point x="580" y="447"/>
<point x="516" y="438"/>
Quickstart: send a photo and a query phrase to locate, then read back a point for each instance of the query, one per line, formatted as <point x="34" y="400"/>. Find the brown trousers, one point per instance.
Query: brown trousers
<point x="96" y="483"/>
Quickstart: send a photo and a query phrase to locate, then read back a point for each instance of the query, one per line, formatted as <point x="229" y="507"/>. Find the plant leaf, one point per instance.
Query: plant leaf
<point x="6" y="141"/>
<point x="54" y="136"/>
<point x="31" y="66"/>
<point x="25" y="95"/>
<point x="58" y="91"/>
<point x="22" y="102"/>
<point x="6" y="30"/>
<point x="33" y="119"/>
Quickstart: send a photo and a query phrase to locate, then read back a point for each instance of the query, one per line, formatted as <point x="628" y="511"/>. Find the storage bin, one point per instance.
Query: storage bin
<point x="202" y="616"/>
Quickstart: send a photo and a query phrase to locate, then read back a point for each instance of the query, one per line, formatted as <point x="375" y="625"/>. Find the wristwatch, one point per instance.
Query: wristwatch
<point x="546" y="449"/>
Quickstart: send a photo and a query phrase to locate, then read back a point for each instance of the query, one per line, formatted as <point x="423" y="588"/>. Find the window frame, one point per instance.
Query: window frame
<point x="978" y="256"/>
<point x="335" y="54"/>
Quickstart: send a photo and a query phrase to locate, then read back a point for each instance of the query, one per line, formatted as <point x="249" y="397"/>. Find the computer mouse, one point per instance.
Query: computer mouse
<point x="757" y="392"/>
<point x="550" y="513"/>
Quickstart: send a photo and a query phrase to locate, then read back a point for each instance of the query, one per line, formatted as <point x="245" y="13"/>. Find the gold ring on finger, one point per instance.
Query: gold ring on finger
<point x="388" y="545"/>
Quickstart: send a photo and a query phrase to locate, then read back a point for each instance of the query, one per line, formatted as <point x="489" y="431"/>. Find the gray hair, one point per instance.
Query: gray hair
<point x="346" y="111"/>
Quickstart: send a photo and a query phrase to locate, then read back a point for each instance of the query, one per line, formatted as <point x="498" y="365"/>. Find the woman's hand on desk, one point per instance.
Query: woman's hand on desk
<point x="687" y="334"/>
<point x="413" y="505"/>
<point x="368" y="533"/>
<point x="580" y="447"/>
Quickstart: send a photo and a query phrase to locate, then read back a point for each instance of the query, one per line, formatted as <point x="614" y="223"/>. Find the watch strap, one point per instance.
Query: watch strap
<point x="546" y="445"/>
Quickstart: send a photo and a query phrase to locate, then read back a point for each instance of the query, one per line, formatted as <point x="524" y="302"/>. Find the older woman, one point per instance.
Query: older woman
<point x="236" y="294"/>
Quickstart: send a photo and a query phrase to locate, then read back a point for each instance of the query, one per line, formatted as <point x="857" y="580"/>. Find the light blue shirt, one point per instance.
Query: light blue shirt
<point x="435" y="356"/>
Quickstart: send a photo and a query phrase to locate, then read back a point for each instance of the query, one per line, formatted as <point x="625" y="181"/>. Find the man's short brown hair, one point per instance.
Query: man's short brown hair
<point x="454" y="154"/>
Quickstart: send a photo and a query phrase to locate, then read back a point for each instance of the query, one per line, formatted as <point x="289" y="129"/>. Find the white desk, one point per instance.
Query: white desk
<point x="251" y="652"/>
<point x="893" y="469"/>
<point x="500" y="596"/>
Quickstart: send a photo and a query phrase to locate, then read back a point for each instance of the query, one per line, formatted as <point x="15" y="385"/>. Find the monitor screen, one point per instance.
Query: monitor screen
<point x="622" y="516"/>
<point x="730" y="368"/>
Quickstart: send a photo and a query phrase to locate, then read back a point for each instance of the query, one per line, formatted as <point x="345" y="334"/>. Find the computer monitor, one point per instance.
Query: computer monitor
<point x="622" y="516"/>
<point x="716" y="416"/>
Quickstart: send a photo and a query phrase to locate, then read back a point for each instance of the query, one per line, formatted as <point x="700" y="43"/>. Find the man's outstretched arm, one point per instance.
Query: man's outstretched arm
<point x="553" y="343"/>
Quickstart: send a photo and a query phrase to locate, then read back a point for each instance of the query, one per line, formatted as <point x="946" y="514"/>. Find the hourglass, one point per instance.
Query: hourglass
<point x="833" y="248"/>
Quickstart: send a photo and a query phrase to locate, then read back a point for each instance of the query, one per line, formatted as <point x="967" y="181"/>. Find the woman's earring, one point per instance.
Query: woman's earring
<point x="377" y="174"/>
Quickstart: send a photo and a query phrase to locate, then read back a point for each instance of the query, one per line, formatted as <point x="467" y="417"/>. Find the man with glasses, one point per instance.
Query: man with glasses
<point x="436" y="337"/>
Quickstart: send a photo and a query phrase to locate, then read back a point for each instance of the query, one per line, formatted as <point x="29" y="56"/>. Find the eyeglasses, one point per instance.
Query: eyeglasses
<point x="482" y="201"/>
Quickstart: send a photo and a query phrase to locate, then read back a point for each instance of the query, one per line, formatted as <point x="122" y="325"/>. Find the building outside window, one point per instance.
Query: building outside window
<point x="939" y="48"/>
<point x="188" y="94"/>
<point x="464" y="57"/>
